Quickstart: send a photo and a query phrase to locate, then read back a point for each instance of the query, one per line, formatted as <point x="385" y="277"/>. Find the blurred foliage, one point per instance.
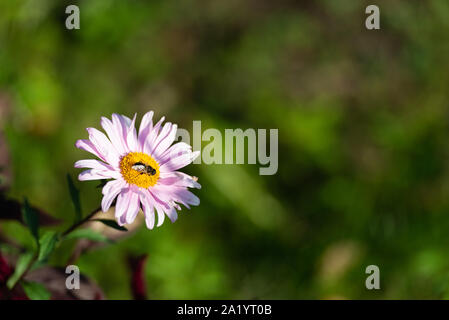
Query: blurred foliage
<point x="363" y="138"/>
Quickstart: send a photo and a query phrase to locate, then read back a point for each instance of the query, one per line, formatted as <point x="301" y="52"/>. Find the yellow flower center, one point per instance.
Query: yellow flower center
<point x="140" y="169"/>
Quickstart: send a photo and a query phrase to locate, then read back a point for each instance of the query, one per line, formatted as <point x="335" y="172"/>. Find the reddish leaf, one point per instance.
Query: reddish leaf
<point x="12" y="210"/>
<point x="138" y="286"/>
<point x="5" y="270"/>
<point x="5" y="169"/>
<point x="16" y="294"/>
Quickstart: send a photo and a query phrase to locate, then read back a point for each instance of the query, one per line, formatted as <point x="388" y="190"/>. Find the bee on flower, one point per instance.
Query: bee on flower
<point x="142" y="168"/>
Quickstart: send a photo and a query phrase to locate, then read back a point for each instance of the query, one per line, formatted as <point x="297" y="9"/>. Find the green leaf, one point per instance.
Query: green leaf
<point x="111" y="223"/>
<point x="21" y="266"/>
<point x="47" y="244"/>
<point x="87" y="234"/>
<point x="31" y="219"/>
<point x="35" y="291"/>
<point x="75" y="195"/>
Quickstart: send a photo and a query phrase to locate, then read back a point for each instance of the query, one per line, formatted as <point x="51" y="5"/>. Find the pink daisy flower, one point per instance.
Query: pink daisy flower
<point x="143" y="168"/>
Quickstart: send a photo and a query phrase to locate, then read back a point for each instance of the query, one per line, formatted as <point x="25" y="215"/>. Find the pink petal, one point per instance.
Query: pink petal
<point x="178" y="179"/>
<point x="174" y="151"/>
<point x="151" y="138"/>
<point x="114" y="135"/>
<point x="125" y="121"/>
<point x="94" y="174"/>
<point x="88" y="146"/>
<point x="160" y="215"/>
<point x="161" y="136"/>
<point x="147" y="121"/>
<point x="188" y="197"/>
<point x="166" y="141"/>
<point x="104" y="146"/>
<point x="177" y="194"/>
<point x="172" y="214"/>
<point x="110" y="191"/>
<point x="179" y="162"/>
<point x="122" y="204"/>
<point x="93" y="164"/>
<point x="160" y="206"/>
<point x="133" y="207"/>
<point x="168" y="181"/>
<point x="122" y="220"/>
<point x="131" y="137"/>
<point x="159" y="198"/>
<point x="146" y="125"/>
<point x="120" y="126"/>
<point x="148" y="210"/>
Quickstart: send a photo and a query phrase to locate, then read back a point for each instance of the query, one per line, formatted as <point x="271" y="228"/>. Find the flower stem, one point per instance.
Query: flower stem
<point x="65" y="233"/>
<point x="81" y="222"/>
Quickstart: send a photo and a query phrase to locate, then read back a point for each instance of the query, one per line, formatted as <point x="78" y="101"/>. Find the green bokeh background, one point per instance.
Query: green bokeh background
<point x="363" y="119"/>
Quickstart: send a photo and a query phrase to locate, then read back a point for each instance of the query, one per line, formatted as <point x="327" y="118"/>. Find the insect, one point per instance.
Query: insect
<point x="144" y="168"/>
